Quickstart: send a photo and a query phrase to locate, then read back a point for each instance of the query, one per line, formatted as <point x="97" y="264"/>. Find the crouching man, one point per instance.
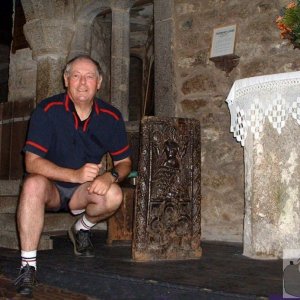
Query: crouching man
<point x="68" y="135"/>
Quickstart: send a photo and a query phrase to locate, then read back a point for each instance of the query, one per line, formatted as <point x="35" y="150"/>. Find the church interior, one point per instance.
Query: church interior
<point x="224" y="77"/>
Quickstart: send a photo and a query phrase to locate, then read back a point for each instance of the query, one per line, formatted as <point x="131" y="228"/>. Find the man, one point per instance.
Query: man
<point x="68" y="135"/>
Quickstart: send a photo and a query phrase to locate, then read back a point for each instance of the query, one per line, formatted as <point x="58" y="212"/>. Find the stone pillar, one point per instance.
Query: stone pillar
<point x="167" y="221"/>
<point x="49" y="40"/>
<point x="272" y="192"/>
<point x="265" y="119"/>
<point x="49" y="76"/>
<point x="120" y="56"/>
<point x="49" y="30"/>
<point x="165" y="92"/>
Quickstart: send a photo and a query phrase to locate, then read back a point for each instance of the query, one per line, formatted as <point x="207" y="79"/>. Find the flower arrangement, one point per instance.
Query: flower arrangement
<point x="289" y="23"/>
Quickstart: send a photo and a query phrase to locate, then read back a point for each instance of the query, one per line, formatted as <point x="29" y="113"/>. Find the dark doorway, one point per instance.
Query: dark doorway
<point x="135" y="88"/>
<point x="5" y="42"/>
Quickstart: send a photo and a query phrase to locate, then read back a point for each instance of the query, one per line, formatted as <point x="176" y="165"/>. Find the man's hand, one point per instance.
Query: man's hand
<point x="101" y="184"/>
<point x="88" y="172"/>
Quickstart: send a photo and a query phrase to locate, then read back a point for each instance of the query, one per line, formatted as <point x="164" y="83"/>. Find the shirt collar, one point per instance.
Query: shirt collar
<point x="69" y="105"/>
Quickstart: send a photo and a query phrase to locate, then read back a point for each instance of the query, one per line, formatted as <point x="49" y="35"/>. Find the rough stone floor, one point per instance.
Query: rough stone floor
<point x="222" y="273"/>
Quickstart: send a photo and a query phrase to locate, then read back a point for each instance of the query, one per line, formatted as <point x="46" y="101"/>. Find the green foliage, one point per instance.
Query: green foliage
<point x="292" y="18"/>
<point x="289" y="22"/>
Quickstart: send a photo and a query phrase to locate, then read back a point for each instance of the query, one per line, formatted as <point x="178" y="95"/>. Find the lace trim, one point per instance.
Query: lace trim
<point x="251" y="105"/>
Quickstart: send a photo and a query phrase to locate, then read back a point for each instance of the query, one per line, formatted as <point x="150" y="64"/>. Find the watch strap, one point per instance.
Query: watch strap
<point x="115" y="174"/>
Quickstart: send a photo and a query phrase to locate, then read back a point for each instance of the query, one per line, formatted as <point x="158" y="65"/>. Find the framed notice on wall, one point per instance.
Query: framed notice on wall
<point x="223" y="41"/>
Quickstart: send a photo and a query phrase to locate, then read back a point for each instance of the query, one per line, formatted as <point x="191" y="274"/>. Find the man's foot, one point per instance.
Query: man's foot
<point x="26" y="280"/>
<point x="82" y="242"/>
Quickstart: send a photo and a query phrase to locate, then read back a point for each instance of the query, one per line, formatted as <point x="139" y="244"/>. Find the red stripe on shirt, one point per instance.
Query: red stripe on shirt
<point x="52" y="104"/>
<point x="120" y="151"/>
<point x="97" y="108"/>
<point x="76" y="120"/>
<point x="37" y="146"/>
<point x="110" y="113"/>
<point x="67" y="102"/>
<point x="86" y="124"/>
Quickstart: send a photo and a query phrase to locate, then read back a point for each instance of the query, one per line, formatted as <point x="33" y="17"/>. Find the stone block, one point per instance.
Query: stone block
<point x="9" y="187"/>
<point x="9" y="239"/>
<point x="22" y="76"/>
<point x="53" y="222"/>
<point x="8" y="204"/>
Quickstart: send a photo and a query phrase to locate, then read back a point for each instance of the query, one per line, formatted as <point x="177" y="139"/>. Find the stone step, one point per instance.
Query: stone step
<point x="53" y="222"/>
<point x="10" y="187"/>
<point x="9" y="239"/>
<point x="8" y="204"/>
<point x="56" y="224"/>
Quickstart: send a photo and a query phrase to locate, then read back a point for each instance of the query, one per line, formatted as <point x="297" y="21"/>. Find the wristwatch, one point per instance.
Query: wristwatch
<point x="115" y="174"/>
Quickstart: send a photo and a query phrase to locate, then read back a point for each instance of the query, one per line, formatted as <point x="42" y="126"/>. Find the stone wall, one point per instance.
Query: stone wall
<point x="202" y="90"/>
<point x="22" y="76"/>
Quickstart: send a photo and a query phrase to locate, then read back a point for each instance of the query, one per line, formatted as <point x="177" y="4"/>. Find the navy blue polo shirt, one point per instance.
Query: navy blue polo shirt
<point x="57" y="134"/>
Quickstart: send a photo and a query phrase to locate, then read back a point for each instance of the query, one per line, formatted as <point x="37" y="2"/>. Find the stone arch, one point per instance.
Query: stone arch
<point x="91" y="9"/>
<point x="54" y="40"/>
<point x="84" y="18"/>
<point x="119" y="59"/>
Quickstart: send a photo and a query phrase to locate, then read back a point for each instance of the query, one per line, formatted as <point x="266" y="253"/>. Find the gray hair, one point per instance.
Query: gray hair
<point x="82" y="57"/>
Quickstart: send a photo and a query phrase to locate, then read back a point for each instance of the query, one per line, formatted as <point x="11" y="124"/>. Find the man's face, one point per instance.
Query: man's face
<point x="82" y="82"/>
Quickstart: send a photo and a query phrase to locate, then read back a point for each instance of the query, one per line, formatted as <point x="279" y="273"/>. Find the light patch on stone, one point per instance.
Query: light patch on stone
<point x="288" y="67"/>
<point x="203" y="156"/>
<point x="211" y="134"/>
<point x="260" y="153"/>
<point x="262" y="215"/>
<point x="186" y="62"/>
<point x="123" y="87"/>
<point x="288" y="172"/>
<point x="217" y="211"/>
<point x="289" y="217"/>
<point x="185" y="8"/>
<point x="261" y="244"/>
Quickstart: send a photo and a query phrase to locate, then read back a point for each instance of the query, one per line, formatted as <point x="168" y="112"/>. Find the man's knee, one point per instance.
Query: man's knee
<point x="34" y="181"/>
<point x="114" y="198"/>
<point x="35" y="185"/>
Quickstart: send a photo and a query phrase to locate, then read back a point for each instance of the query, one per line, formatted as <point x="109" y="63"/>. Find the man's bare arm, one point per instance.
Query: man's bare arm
<point x="38" y="165"/>
<point x="102" y="183"/>
<point x="123" y="167"/>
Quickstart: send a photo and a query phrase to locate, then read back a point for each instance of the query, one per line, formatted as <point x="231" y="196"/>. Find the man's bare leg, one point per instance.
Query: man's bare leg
<point x="37" y="193"/>
<point x="97" y="208"/>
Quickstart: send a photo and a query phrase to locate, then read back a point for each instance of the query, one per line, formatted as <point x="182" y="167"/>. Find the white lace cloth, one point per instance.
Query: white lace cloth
<point x="252" y="100"/>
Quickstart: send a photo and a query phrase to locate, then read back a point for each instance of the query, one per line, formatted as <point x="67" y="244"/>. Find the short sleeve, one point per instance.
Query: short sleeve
<point x="39" y="133"/>
<point x="119" y="148"/>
